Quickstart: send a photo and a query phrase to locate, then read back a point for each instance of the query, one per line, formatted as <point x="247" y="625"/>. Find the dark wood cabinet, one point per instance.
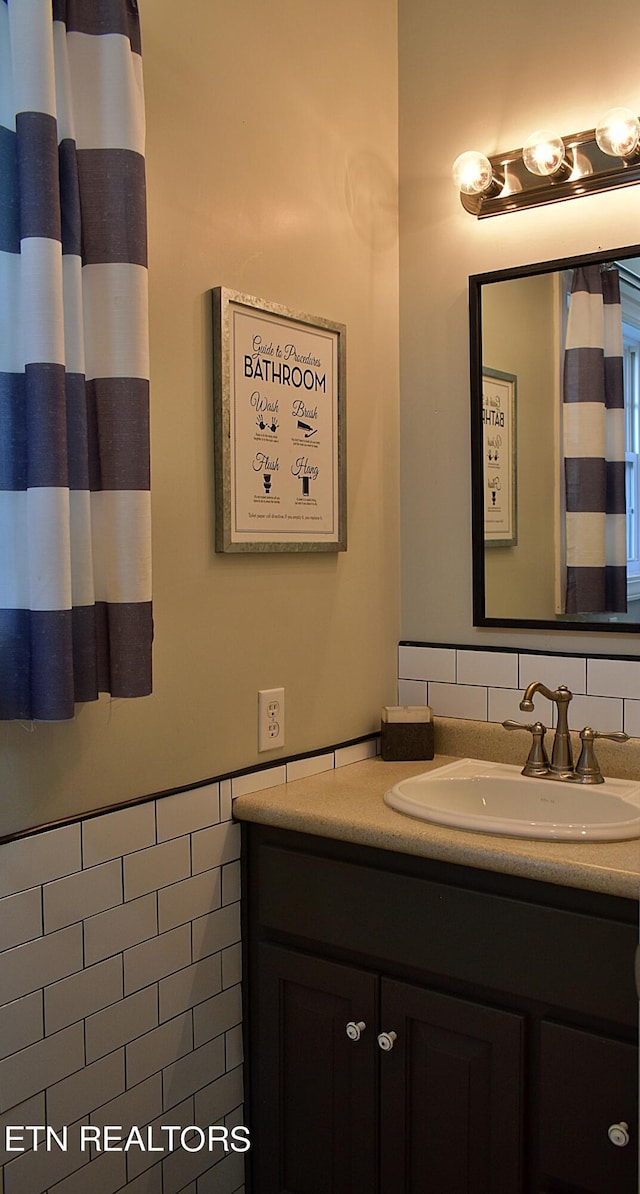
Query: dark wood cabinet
<point x="451" y="1115"/>
<point x="315" y="1089"/>
<point x="510" y="1015"/>
<point x="589" y="1084"/>
<point x="439" y="1100"/>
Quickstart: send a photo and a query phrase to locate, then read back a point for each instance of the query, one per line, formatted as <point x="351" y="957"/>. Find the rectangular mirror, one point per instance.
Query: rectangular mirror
<point x="555" y="443"/>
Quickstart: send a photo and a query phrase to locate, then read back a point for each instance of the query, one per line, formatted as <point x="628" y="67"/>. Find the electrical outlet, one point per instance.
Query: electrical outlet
<point x="270" y="718"/>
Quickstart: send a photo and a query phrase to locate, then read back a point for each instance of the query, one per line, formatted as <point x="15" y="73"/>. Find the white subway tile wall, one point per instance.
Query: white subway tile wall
<point x="356" y="753"/>
<point x="301" y="768"/>
<point x="602" y="713"/>
<point x="121" y="968"/>
<point x="503" y="705"/>
<point x="120" y="986"/>
<point x="428" y="663"/>
<point x="120" y="972"/>
<point x="613" y="677"/>
<point x="94" y="890"/>
<point x="412" y="692"/>
<point x="21" y="1023"/>
<point x="20" y="917"/>
<point x="497" y="668"/>
<point x="632" y="718"/>
<point x="32" y="861"/>
<point x="488" y="685"/>
<point x="458" y="700"/>
<point x="553" y="670"/>
<point x="257" y="781"/>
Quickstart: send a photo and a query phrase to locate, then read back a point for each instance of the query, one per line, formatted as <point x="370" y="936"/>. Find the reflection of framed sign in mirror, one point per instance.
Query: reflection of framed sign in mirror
<point x="499" y="455"/>
<point x="279" y="427"/>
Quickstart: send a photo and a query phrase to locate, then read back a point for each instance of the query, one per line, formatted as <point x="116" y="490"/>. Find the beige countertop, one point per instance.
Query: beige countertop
<point x="347" y="804"/>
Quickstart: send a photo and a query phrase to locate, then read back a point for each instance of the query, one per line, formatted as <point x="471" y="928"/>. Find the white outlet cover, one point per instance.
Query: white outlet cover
<point x="270" y="718"/>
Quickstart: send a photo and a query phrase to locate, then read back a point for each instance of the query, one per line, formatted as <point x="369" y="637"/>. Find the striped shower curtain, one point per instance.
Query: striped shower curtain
<point x="594" y="446"/>
<point x="75" y="600"/>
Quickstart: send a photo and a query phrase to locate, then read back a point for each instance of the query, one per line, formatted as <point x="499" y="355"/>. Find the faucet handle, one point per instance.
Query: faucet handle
<point x="587" y="767"/>
<point x="521" y="725"/>
<point x="537" y="762"/>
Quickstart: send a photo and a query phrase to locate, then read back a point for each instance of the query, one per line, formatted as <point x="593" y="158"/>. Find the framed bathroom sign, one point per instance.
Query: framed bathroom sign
<point x="499" y="391"/>
<point x="279" y="427"/>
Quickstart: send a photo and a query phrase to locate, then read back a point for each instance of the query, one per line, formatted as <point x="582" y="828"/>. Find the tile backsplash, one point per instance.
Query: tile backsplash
<point x="120" y="1004"/>
<point x="120" y="987"/>
<point x="487" y="685"/>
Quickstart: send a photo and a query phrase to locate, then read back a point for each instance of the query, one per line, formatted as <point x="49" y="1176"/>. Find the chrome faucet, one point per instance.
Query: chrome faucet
<point x="586" y="770"/>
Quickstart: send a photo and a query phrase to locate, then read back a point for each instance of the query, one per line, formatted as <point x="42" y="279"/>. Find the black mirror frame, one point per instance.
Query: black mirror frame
<point x="476" y="282"/>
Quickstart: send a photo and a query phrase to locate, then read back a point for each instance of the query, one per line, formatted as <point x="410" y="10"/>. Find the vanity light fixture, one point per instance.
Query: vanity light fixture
<point x="548" y="167"/>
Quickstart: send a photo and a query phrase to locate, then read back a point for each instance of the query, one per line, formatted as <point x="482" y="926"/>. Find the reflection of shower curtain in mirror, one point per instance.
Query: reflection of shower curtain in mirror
<point x="594" y="445"/>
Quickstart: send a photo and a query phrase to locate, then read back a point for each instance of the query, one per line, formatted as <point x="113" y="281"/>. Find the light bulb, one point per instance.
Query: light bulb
<point x="472" y="173"/>
<point x="618" y="133"/>
<point x="543" y="153"/>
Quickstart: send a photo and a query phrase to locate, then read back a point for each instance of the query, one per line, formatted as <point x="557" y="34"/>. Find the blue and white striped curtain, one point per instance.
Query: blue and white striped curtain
<point x="75" y="598"/>
<point x="594" y="445"/>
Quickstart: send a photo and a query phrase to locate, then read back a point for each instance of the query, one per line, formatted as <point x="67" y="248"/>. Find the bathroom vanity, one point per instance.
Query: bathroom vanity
<point x="433" y="1010"/>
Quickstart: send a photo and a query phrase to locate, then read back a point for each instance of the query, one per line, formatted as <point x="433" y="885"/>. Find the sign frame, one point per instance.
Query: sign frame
<point x="499" y="454"/>
<point x="279" y="401"/>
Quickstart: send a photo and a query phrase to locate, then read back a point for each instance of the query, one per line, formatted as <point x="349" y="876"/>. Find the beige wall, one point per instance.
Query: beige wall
<point x="483" y="79"/>
<point x="519" y="336"/>
<point x="272" y="169"/>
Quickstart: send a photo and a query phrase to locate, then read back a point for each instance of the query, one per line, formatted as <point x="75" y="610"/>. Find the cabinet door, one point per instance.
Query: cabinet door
<point x="450" y="1087"/>
<point x="588" y="1083"/>
<point x="315" y="1129"/>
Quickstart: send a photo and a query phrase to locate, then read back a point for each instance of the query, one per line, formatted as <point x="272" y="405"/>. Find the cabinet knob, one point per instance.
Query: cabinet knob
<point x="619" y="1134"/>
<point x="355" y="1030"/>
<point x="386" y="1040"/>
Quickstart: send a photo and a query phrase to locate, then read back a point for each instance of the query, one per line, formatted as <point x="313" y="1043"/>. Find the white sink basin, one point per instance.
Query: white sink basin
<point x="497" y="798"/>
